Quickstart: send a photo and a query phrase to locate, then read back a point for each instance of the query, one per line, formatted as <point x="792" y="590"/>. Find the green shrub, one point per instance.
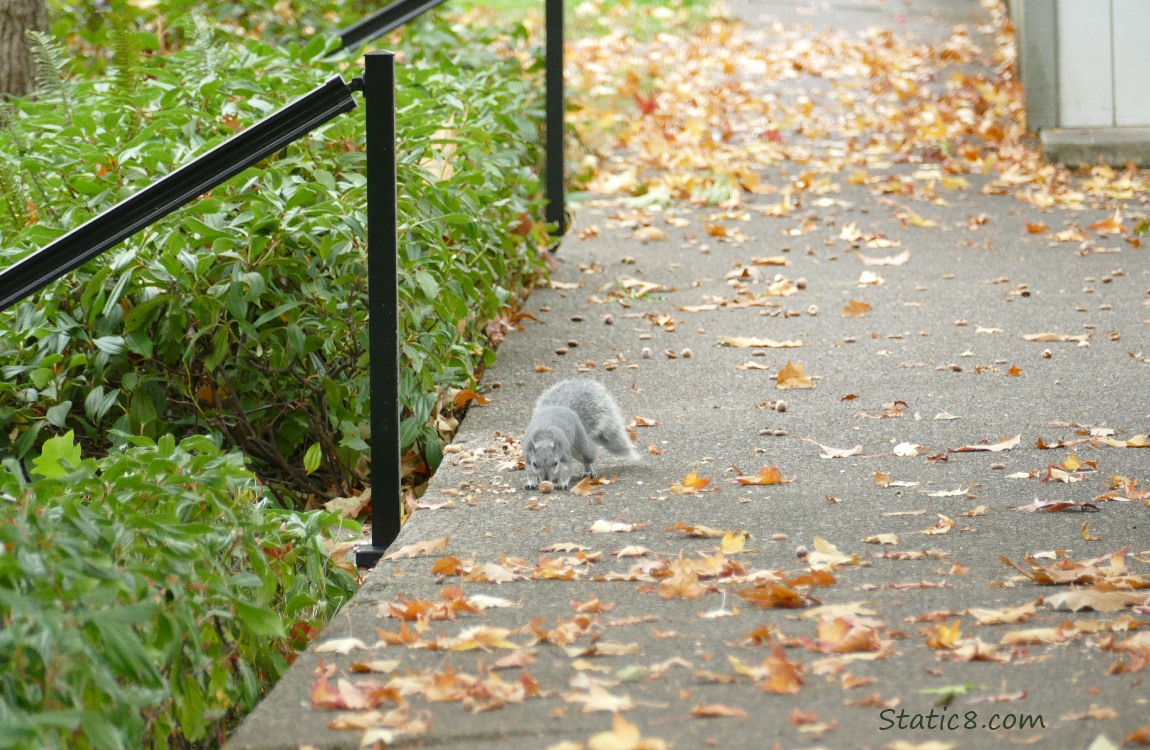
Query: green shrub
<point x="244" y="313"/>
<point x="148" y="598"/>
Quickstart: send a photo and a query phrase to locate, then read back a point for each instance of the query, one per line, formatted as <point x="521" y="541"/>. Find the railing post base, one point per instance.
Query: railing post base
<point x="382" y="305"/>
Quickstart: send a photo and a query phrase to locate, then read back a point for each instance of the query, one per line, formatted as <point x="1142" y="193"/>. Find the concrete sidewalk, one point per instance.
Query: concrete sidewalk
<point x="581" y="622"/>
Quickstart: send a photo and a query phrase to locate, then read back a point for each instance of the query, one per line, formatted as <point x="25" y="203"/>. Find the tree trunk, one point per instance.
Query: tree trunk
<point x="17" y="70"/>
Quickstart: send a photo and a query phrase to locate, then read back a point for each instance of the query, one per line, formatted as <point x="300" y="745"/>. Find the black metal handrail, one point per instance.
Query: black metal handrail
<point x="264" y="138"/>
<point x="169" y="193"/>
<point x="383" y="21"/>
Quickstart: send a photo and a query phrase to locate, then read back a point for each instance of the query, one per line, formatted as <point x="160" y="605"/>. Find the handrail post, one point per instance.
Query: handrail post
<point x="555" y="212"/>
<point x="382" y="305"/>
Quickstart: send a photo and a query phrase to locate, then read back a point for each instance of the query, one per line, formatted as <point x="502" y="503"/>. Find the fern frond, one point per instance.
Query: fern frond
<point x="204" y="47"/>
<point x="51" y="63"/>
<point x="126" y="51"/>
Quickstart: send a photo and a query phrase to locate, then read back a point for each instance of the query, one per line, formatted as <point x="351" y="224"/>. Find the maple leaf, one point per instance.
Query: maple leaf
<point x="1004" y="616"/>
<point x="784" y="676"/>
<point x="691" y="484"/>
<point x="419" y="549"/>
<point x="349" y="507"/>
<point x="828" y="452"/>
<point x="793" y="375"/>
<point x="1055" y="506"/>
<point x="490" y="573"/>
<point x="758" y="343"/>
<point x="827" y="556"/>
<point x="462" y="397"/>
<point x="1004" y="444"/>
<point x="767" y="475"/>
<point x="623" y="736"/>
<point x="718" y="710"/>
<point x="890" y="260"/>
<point x="340" y="645"/>
<point x="1137" y="441"/>
<point x="841" y="635"/>
<point x="697" y="530"/>
<point x="1060" y="337"/>
<point x="482" y="637"/>
<point x="611" y="527"/>
<point x="1098" y="601"/>
<point x="733" y="543"/>
<point x="683" y="583"/>
<point x="598" y="699"/>
<point x="905" y="450"/>
<point x="944" y="636"/>
<point x="768" y="595"/>
<point x="378" y="666"/>
<point x="856" y="309"/>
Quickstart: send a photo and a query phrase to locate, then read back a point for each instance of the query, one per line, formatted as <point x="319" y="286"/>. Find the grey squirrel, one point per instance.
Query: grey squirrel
<point x="570" y="419"/>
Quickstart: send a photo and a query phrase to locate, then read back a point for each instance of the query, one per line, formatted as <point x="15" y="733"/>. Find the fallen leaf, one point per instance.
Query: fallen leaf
<point x="793" y="375"/>
<point x="598" y="699"/>
<point x="649" y="234"/>
<point x="889" y="260"/>
<point x="717" y="711"/>
<point x="691" y="484"/>
<point x="1098" y="601"/>
<point x="1004" y="444"/>
<point x="767" y="475"/>
<point x="703" y="532"/>
<point x="759" y="343"/>
<point x="610" y="527"/>
<point x="856" y="309"/>
<point x="419" y="549"/>
<point x="340" y="646"/>
<point x="1050" y="337"/>
<point x="827" y="556"/>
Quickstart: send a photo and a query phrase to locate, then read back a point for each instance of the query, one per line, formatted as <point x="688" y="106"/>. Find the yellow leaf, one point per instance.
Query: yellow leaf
<point x="793" y="375"/>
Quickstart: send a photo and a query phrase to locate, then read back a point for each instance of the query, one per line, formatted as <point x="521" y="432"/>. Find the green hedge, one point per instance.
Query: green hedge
<point x="144" y="596"/>
<point x="243" y="314"/>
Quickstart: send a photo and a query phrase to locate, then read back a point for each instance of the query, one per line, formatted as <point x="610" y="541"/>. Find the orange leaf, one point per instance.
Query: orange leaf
<point x="466" y="395"/>
<point x="691" y="484"/>
<point x="785" y="675"/>
<point x="718" y="710"/>
<point x="766" y="475"/>
<point x="856" y="309"/>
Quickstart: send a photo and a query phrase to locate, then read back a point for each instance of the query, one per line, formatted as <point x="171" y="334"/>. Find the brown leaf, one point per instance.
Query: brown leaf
<point x="419" y="549"/>
<point x="793" y="375"/>
<point x="856" y="309"/>
<point x="755" y="342"/>
<point x="784" y="676"/>
<point x="717" y="711"/>
<point x="889" y="260"/>
<point x="1004" y="444"/>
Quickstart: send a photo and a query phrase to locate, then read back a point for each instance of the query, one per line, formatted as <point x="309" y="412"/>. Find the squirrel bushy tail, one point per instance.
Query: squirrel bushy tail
<point x="600" y="414"/>
<point x="571" y="418"/>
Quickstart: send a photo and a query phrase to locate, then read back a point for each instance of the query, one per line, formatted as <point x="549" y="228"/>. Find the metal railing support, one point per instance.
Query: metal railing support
<point x="382" y="21"/>
<point x="169" y="193"/>
<point x="555" y="212"/>
<point x="382" y="305"/>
